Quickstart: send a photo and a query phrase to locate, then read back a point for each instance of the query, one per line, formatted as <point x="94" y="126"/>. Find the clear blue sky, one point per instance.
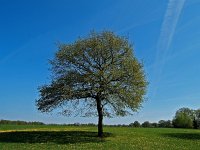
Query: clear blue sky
<point x="165" y="34"/>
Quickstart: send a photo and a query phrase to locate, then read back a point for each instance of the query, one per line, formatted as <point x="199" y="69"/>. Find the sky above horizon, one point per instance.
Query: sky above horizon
<point x="165" y="35"/>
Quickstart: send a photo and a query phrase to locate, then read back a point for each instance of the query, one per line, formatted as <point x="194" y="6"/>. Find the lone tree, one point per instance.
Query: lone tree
<point x="96" y="75"/>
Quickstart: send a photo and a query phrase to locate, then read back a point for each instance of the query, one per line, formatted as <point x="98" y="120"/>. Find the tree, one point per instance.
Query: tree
<point x="165" y="124"/>
<point x="154" y="125"/>
<point x="134" y="124"/>
<point x="99" y="71"/>
<point x="183" y="118"/>
<point x="146" y="124"/>
<point x="189" y="112"/>
<point x="196" y="119"/>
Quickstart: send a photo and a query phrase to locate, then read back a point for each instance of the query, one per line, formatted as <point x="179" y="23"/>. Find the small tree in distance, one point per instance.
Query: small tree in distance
<point x="146" y="124"/>
<point x="97" y="75"/>
<point x="165" y="124"/>
<point x="154" y="125"/>
<point x="136" y="124"/>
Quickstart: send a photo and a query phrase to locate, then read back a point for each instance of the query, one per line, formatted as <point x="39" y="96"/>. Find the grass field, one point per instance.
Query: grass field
<point x="29" y="137"/>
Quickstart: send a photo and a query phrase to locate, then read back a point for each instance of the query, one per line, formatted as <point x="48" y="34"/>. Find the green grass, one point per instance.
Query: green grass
<point x="43" y="137"/>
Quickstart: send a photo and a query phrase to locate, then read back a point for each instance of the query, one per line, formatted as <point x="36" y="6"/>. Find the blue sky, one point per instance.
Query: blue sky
<point x="165" y="34"/>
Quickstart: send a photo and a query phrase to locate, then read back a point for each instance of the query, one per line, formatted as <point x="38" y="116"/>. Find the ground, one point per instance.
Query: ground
<point x="20" y="137"/>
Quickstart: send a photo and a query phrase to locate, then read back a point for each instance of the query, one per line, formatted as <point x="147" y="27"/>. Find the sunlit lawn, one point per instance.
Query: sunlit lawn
<point x="28" y="137"/>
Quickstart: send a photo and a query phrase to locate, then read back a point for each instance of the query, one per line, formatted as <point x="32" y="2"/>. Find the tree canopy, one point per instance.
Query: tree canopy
<point x="183" y="118"/>
<point x="96" y="75"/>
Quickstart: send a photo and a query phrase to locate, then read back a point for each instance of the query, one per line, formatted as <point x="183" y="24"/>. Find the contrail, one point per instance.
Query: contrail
<point x="9" y="56"/>
<point x="148" y="18"/>
<point x="171" y="17"/>
<point x="23" y="48"/>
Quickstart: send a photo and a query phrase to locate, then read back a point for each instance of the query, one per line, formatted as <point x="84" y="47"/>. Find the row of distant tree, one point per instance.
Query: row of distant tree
<point x="18" y="122"/>
<point x="184" y="118"/>
<point x="147" y="124"/>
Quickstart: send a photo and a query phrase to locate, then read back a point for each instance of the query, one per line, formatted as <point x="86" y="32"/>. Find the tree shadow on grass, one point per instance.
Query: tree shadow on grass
<point x="187" y="136"/>
<point x="58" y="137"/>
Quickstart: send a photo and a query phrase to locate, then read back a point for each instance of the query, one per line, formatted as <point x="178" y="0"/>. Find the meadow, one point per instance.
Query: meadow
<point x="50" y="137"/>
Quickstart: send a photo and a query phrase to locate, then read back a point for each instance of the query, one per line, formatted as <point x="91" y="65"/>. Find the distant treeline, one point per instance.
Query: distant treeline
<point x="146" y="124"/>
<point x="9" y="122"/>
<point x="184" y="118"/>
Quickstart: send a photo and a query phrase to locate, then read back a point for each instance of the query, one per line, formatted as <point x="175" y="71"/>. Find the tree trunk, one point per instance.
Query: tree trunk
<point x="100" y="114"/>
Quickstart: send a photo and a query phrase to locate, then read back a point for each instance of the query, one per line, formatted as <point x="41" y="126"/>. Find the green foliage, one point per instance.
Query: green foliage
<point x="165" y="124"/>
<point x="187" y="118"/>
<point x="100" y="68"/>
<point x="154" y="125"/>
<point x="182" y="120"/>
<point x="135" y="124"/>
<point x="146" y="124"/>
<point x="187" y="111"/>
<point x="196" y="120"/>
<point x="18" y="122"/>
